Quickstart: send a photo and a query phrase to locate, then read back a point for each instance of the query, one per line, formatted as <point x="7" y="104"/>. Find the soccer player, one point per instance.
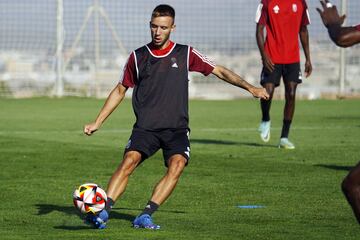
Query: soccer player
<point x="158" y="72"/>
<point x="284" y="22"/>
<point x="344" y="36"/>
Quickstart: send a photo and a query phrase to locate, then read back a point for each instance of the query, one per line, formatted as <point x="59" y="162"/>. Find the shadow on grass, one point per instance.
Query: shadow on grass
<point x="138" y="209"/>
<point x="44" y="209"/>
<point x="222" y="142"/>
<point x="73" y="228"/>
<point x="335" y="167"/>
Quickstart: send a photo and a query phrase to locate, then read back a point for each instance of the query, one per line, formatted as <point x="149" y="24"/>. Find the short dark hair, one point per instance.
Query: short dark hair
<point x="163" y="10"/>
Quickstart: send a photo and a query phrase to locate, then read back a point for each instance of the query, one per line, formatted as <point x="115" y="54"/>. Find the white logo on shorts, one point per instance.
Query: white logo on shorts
<point x="187" y="152"/>
<point x="128" y="144"/>
<point x="300" y="75"/>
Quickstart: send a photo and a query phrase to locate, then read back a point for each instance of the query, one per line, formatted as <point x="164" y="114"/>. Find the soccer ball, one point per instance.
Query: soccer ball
<point x="89" y="198"/>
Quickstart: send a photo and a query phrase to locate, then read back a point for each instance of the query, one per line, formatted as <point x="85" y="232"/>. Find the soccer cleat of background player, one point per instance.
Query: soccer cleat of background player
<point x="264" y="130"/>
<point x="285" y="21"/>
<point x="286" y="144"/>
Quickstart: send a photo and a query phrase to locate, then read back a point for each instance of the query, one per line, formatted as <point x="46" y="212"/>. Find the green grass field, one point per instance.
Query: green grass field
<point x="44" y="156"/>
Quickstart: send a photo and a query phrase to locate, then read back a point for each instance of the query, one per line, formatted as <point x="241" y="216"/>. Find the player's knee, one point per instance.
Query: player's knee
<point x="176" y="167"/>
<point x="131" y="160"/>
<point x="290" y="94"/>
<point x="270" y="91"/>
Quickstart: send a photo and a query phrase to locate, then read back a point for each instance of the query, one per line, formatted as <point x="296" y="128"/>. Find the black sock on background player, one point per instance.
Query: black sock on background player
<point x="265" y="109"/>
<point x="286" y="128"/>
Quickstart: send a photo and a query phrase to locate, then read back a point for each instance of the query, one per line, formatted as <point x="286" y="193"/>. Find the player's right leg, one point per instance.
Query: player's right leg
<point x="99" y="220"/>
<point x="351" y="189"/>
<point x="120" y="177"/>
<point x="116" y="187"/>
<point x="269" y="80"/>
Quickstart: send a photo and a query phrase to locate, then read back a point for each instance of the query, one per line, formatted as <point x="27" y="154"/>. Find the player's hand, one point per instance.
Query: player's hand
<point x="267" y="63"/>
<point x="308" y="68"/>
<point x="89" y="129"/>
<point x="260" y="93"/>
<point x="330" y="15"/>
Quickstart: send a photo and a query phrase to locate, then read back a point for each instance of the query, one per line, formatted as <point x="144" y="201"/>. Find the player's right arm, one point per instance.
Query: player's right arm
<point x="116" y="95"/>
<point x="114" y="99"/>
<point x="261" y="20"/>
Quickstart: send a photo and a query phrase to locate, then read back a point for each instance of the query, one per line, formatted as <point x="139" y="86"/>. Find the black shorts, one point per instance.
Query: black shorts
<point x="170" y="141"/>
<point x="289" y="72"/>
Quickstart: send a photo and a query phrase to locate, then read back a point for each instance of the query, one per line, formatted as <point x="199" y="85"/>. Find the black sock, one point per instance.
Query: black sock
<point x="150" y="208"/>
<point x="265" y="109"/>
<point x="266" y="118"/>
<point x="285" y="128"/>
<point x="109" y="204"/>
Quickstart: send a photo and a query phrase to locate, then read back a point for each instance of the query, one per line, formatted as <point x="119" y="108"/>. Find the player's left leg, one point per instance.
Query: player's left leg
<point x="176" y="151"/>
<point x="161" y="192"/>
<point x="292" y="77"/>
<point x="351" y="189"/>
<point x="165" y="187"/>
<point x="289" y="109"/>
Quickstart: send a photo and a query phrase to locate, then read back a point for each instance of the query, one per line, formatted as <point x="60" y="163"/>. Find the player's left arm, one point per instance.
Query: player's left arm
<point x="344" y="36"/>
<point x="341" y="36"/>
<point x="234" y="79"/>
<point x="304" y="39"/>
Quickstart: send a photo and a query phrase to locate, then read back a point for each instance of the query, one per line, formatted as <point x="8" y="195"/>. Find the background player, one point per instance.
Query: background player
<point x="284" y="21"/>
<point x="344" y="37"/>
<point x="158" y="72"/>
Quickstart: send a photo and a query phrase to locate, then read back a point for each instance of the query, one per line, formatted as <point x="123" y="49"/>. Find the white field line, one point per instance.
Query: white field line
<point x="305" y="128"/>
